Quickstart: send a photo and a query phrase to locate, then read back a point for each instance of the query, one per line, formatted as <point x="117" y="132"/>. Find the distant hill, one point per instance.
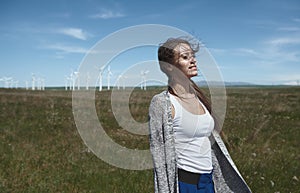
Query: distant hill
<point x="216" y="83"/>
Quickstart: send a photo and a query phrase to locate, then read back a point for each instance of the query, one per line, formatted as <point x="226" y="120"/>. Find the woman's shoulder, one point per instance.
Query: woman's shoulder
<point x="159" y="99"/>
<point x="162" y="96"/>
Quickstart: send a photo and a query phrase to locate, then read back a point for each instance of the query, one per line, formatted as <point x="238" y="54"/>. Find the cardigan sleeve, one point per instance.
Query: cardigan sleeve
<point x="158" y="146"/>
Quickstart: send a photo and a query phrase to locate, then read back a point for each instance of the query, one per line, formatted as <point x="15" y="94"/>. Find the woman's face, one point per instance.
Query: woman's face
<point x="185" y="60"/>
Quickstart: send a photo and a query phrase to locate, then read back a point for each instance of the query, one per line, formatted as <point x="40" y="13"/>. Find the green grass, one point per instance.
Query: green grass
<point x="41" y="150"/>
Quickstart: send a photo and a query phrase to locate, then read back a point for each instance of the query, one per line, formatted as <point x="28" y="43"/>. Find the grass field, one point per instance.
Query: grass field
<point x="41" y="150"/>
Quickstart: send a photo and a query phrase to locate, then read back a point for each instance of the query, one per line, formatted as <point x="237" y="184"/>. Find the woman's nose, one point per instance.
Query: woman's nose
<point x="193" y="60"/>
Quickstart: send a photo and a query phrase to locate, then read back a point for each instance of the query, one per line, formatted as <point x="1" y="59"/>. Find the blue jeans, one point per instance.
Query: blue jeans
<point x="205" y="185"/>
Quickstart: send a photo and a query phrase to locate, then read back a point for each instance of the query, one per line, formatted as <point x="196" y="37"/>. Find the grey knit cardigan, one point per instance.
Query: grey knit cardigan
<point x="226" y="176"/>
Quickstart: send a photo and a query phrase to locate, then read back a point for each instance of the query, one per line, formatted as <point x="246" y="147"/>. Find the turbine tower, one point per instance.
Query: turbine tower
<point x="119" y="80"/>
<point x="101" y="69"/>
<point x="1" y="79"/>
<point x="143" y="75"/>
<point x="38" y="84"/>
<point x="33" y="79"/>
<point x="16" y="83"/>
<point x="66" y="82"/>
<point x="76" y="79"/>
<point x="73" y="79"/>
<point x="4" y="81"/>
<point x="8" y="81"/>
<point x="43" y="84"/>
<point x="124" y="77"/>
<point x="26" y="85"/>
<point x="109" y="73"/>
<point x="87" y="81"/>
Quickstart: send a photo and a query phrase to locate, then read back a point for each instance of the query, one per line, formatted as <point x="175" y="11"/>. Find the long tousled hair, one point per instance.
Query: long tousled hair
<point x="167" y="55"/>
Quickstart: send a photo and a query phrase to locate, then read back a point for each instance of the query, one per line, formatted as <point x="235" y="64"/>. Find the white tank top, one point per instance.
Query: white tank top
<point x="192" y="144"/>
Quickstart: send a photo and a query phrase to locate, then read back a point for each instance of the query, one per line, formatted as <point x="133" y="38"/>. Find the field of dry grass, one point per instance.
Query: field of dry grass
<point x="41" y="150"/>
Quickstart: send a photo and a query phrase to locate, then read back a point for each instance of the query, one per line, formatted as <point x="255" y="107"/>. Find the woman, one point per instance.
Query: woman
<point x="188" y="154"/>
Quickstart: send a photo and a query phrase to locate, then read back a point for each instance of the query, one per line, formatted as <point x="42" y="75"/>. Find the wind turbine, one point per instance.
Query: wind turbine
<point x="66" y="82"/>
<point x="1" y="79"/>
<point x="119" y="80"/>
<point x="109" y="73"/>
<point x="101" y="70"/>
<point x="73" y="79"/>
<point x="16" y="83"/>
<point x="26" y="85"/>
<point x="70" y="81"/>
<point x="143" y="75"/>
<point x="33" y="79"/>
<point x="76" y="79"/>
<point x="43" y="84"/>
<point x="8" y="82"/>
<point x="87" y="81"/>
<point x="38" y="83"/>
<point x="124" y="77"/>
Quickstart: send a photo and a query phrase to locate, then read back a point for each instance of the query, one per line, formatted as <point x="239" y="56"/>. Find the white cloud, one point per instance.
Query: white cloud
<point x="61" y="15"/>
<point x="296" y="19"/>
<point x="292" y="83"/>
<point x="274" y="53"/>
<point x="289" y="29"/>
<point x="107" y="14"/>
<point x="284" y="41"/>
<point x="66" y="49"/>
<point x="237" y="51"/>
<point x="29" y="28"/>
<point x="245" y="51"/>
<point x="217" y="50"/>
<point x="286" y="79"/>
<point x="74" y="32"/>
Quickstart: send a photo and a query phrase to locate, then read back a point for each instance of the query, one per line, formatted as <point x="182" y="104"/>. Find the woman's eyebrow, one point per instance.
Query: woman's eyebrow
<point x="188" y="52"/>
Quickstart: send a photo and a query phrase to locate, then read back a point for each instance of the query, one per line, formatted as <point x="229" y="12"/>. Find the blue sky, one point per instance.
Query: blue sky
<point x="252" y="41"/>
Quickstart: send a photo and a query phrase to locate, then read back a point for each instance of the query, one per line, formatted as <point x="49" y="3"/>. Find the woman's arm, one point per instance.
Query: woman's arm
<point x="157" y="146"/>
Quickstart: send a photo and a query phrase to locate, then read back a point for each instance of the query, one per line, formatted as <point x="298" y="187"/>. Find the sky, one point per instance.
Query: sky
<point x="251" y="41"/>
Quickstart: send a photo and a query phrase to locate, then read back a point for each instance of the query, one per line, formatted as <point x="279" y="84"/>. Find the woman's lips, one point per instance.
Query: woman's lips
<point x="193" y="67"/>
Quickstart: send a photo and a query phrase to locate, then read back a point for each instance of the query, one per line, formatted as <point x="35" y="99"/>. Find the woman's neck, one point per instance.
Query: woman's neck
<point x="182" y="90"/>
